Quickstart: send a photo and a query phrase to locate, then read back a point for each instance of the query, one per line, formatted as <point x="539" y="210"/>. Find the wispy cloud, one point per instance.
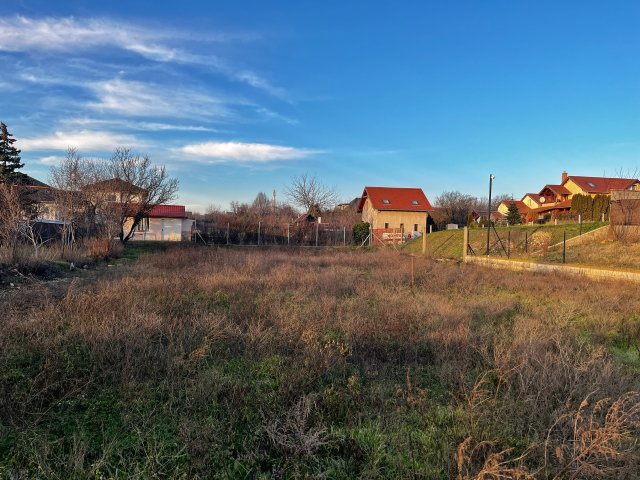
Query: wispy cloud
<point x="151" y="100"/>
<point x="20" y="33"/>
<point x="84" y="140"/>
<point x="139" y="125"/>
<point x="224" y="152"/>
<point x="71" y="35"/>
<point x="277" y="116"/>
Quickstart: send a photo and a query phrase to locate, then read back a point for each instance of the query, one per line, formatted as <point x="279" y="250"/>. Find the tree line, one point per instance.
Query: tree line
<point x="93" y="201"/>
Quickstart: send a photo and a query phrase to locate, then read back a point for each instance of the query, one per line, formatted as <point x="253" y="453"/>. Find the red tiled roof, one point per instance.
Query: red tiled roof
<point x="557" y="189"/>
<point x="534" y="196"/>
<point x="554" y="206"/>
<point x="523" y="208"/>
<point x="390" y="198"/>
<point x="168" y="211"/>
<point x="602" y="184"/>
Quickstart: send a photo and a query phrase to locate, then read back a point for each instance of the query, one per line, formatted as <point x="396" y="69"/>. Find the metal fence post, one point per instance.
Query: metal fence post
<point x="424" y="241"/>
<point x="564" y="247"/>
<point x="288" y="241"/>
<point x="344" y="236"/>
<point x="258" y="233"/>
<point x="316" y="233"/>
<point x="227" y="233"/>
<point x="580" y="222"/>
<point x="509" y="244"/>
<point x="465" y="243"/>
<point x="526" y="242"/>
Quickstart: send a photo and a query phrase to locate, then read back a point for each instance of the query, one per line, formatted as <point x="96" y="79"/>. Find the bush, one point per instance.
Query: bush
<point x="541" y="241"/>
<point x="360" y="232"/>
<point x="103" y="248"/>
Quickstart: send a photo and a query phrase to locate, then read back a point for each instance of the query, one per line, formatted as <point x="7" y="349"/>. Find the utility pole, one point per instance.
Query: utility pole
<point x="491" y="178"/>
<point x="274" y="201"/>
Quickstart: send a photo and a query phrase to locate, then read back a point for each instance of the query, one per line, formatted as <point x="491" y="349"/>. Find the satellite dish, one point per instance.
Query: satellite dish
<point x="542" y="199"/>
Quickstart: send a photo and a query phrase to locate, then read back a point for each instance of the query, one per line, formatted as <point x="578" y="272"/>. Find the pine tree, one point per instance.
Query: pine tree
<point x="9" y="156"/>
<point x="513" y="215"/>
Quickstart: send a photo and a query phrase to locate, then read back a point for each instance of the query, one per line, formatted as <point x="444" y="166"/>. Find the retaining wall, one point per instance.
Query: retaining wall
<point x="589" y="272"/>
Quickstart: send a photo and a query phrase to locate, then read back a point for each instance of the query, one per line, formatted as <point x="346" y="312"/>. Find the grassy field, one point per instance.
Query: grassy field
<point x="448" y="243"/>
<point x="213" y="363"/>
<point x="604" y="253"/>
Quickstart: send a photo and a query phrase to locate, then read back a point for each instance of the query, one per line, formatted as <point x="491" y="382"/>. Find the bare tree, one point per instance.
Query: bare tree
<point x="455" y="207"/>
<point x="11" y="219"/>
<point x="261" y="205"/>
<point x="70" y="180"/>
<point x="624" y="215"/>
<point x="310" y="194"/>
<point x="137" y="187"/>
<point x="31" y="231"/>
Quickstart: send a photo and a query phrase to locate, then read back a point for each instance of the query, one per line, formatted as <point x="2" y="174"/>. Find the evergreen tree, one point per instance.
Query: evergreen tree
<point x="600" y="206"/>
<point x="9" y="156"/>
<point x="582" y="205"/>
<point x="513" y="215"/>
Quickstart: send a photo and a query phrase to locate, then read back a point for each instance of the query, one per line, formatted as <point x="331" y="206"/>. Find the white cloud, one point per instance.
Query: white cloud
<point x="142" y="126"/>
<point x="150" y="100"/>
<point x="221" y="152"/>
<point x="20" y="33"/>
<point x="84" y="140"/>
<point x="23" y="34"/>
<point x="50" y="160"/>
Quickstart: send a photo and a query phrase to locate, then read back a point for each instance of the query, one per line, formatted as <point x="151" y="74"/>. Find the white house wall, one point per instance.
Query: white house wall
<point x="165" y="230"/>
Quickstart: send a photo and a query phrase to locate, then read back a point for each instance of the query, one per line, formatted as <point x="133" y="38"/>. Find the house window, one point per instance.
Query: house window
<point x="386" y="201"/>
<point x="402" y="226"/>
<point x="415" y="227"/>
<point x="386" y="225"/>
<point x="591" y="184"/>
<point x="634" y="187"/>
<point x="415" y="202"/>
<point x="143" y="225"/>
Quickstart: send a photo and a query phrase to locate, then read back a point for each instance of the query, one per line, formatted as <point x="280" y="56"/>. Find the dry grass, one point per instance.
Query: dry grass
<point x="208" y="363"/>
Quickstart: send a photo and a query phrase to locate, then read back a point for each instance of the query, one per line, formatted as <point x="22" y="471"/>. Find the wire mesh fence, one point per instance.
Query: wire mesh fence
<point x="267" y="234"/>
<point x="550" y="243"/>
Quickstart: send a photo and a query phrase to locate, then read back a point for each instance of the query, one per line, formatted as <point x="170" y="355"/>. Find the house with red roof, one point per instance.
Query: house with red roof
<point x="533" y="200"/>
<point x="400" y="210"/>
<point x="555" y="199"/>
<point x="165" y="223"/>
<point x="523" y="208"/>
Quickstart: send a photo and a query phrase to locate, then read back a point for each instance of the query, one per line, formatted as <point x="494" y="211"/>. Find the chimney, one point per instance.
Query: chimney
<point x="564" y="177"/>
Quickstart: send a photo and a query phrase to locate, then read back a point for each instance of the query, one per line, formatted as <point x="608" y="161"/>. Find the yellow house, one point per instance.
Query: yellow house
<point x="523" y="208"/>
<point x="597" y="185"/>
<point x="556" y="199"/>
<point x="404" y="209"/>
<point x="533" y="200"/>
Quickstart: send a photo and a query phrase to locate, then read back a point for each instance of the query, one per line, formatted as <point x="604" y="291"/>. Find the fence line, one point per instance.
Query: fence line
<point x="264" y="234"/>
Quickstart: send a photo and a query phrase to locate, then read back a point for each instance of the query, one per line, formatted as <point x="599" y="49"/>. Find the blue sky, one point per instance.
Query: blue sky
<point x="237" y="97"/>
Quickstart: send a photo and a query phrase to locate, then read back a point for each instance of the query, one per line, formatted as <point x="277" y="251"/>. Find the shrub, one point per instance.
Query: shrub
<point x="360" y="232"/>
<point x="103" y="248"/>
<point x="540" y="241"/>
